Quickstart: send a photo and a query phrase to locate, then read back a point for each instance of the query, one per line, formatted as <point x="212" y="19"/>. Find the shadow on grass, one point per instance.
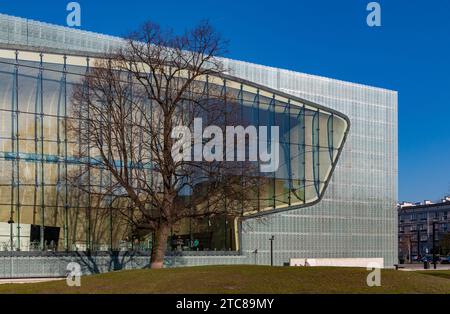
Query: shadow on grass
<point x="437" y="273"/>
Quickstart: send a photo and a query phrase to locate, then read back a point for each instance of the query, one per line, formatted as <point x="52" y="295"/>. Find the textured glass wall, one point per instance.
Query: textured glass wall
<point x="357" y="216"/>
<point x="39" y="155"/>
<point x="26" y="32"/>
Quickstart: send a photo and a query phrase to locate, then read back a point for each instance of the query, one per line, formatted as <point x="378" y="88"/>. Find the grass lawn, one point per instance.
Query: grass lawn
<point x="246" y="279"/>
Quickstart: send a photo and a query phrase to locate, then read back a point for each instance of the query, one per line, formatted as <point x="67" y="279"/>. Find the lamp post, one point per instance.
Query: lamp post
<point x="256" y="256"/>
<point x="434" y="247"/>
<point x="11" y="232"/>
<point x="272" y="238"/>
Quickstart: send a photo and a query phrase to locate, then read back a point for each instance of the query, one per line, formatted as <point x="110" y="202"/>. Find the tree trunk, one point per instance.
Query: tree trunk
<point x="159" y="247"/>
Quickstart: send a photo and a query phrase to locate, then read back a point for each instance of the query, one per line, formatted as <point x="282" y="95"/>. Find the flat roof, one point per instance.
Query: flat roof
<point x="28" y="34"/>
<point x="426" y="206"/>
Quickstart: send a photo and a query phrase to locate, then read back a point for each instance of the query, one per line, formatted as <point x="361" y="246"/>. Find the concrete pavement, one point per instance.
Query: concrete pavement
<point x="27" y="280"/>
<point x="417" y="267"/>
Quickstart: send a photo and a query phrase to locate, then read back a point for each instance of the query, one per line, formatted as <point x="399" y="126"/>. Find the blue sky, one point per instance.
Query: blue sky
<point x="409" y="53"/>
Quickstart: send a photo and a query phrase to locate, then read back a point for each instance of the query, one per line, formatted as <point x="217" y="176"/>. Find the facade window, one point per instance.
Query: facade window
<point x="310" y="142"/>
<point x="41" y="200"/>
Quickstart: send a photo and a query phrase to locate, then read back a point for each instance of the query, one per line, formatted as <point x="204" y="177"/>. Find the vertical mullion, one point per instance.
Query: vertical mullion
<point x="58" y="150"/>
<point x="13" y="183"/>
<point x="303" y="154"/>
<point x="225" y="197"/>
<point x="288" y="158"/>
<point x="66" y="191"/>
<point x="189" y="117"/>
<point x="315" y="150"/>
<point x="36" y="149"/>
<point x="330" y="132"/>
<point x="241" y="104"/>
<point x="271" y="118"/>
<point x="18" y="205"/>
<point x="318" y="153"/>
<point x="78" y="200"/>
<point x="256" y="100"/>
<point x="41" y="137"/>
<point x="15" y="197"/>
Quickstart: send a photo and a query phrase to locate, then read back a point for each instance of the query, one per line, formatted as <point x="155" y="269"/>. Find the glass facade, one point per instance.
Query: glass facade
<point x="38" y="153"/>
<point x="356" y="215"/>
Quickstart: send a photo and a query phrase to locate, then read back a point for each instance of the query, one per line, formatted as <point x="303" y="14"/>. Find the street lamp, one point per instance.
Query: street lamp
<point x="256" y="257"/>
<point x="272" y="238"/>
<point x="11" y="235"/>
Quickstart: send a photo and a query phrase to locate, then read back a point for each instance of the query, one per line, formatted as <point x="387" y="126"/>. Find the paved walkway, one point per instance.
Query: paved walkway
<point x="417" y="267"/>
<point x="27" y="280"/>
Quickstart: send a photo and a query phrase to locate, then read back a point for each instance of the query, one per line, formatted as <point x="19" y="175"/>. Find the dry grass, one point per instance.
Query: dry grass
<point x="245" y="279"/>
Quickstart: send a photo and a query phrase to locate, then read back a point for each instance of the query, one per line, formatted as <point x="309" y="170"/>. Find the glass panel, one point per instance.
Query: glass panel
<point x="309" y="143"/>
<point x="282" y="188"/>
<point x="298" y="192"/>
<point x="29" y="90"/>
<point x="5" y="124"/>
<point x="6" y="85"/>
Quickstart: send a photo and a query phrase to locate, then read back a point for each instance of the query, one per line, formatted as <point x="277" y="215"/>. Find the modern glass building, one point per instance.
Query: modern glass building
<point x="333" y="196"/>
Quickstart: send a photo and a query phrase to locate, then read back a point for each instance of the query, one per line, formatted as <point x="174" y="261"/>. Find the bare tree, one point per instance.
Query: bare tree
<point x="125" y="110"/>
<point x="405" y="247"/>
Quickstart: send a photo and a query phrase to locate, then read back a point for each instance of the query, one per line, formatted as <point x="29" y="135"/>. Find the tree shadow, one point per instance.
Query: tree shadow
<point x="96" y="263"/>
